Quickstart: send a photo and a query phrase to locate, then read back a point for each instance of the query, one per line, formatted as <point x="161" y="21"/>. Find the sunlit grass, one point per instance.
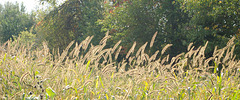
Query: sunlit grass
<point x="27" y="73"/>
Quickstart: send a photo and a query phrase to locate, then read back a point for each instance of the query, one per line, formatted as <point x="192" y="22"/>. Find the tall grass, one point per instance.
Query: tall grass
<point x="91" y="72"/>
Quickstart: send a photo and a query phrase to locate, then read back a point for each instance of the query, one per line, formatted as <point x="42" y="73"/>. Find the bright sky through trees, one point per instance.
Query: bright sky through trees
<point x="29" y="4"/>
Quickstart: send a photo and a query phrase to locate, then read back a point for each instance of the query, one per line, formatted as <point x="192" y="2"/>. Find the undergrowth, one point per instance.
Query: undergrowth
<point x="27" y="73"/>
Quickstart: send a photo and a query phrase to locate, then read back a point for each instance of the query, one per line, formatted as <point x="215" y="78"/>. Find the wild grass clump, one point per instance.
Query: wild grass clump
<point x="91" y="72"/>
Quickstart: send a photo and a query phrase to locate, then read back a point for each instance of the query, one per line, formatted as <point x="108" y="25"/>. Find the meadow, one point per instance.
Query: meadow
<point x="85" y="72"/>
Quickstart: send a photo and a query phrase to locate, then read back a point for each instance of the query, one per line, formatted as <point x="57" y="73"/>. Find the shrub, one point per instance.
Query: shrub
<point x="25" y="37"/>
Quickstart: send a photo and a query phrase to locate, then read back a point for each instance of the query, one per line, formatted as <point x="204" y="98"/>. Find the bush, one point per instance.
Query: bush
<point x="24" y="38"/>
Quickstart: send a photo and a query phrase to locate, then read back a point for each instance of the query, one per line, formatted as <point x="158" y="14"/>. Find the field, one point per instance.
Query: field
<point x="84" y="71"/>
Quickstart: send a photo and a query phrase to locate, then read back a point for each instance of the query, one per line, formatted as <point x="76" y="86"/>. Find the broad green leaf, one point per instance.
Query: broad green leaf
<point x="50" y="92"/>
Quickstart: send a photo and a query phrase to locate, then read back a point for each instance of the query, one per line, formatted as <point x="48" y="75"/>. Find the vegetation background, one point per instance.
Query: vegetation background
<point x="89" y="42"/>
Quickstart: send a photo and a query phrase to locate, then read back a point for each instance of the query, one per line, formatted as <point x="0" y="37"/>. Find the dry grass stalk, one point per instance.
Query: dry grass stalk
<point x="165" y="48"/>
<point x="45" y="48"/>
<point x="88" y="82"/>
<point x="130" y="60"/>
<point x="65" y="52"/>
<point x="146" y="57"/>
<point x="117" y="53"/>
<point x="215" y="51"/>
<point x="131" y="50"/>
<point x="2" y="49"/>
<point x="109" y="56"/>
<point x="84" y="44"/>
<point x="189" y="46"/>
<point x="75" y="52"/>
<point x="231" y="41"/>
<point x="189" y="53"/>
<point x="115" y="46"/>
<point x="153" y="57"/>
<point x="104" y="40"/>
<point x="141" y="49"/>
<point x="15" y="95"/>
<point x="163" y="60"/>
<point x="201" y="52"/>
<point x="227" y="56"/>
<point x="106" y="68"/>
<point x="232" y="51"/>
<point x="153" y="38"/>
<point x="195" y="54"/>
<point x="24" y="76"/>
<point x="127" y="93"/>
<point x="122" y="67"/>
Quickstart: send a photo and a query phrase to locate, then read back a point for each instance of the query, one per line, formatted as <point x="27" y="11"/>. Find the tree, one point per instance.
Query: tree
<point x="13" y="20"/>
<point x="216" y="20"/>
<point x="178" y="22"/>
<point x="73" y="20"/>
<point x="139" y="20"/>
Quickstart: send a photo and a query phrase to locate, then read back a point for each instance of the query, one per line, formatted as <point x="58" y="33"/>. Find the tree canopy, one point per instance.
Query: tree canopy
<point x="73" y="20"/>
<point x="177" y="22"/>
<point x="13" y="20"/>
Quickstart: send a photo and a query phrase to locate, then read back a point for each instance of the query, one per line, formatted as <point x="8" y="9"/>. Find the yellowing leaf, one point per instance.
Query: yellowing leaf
<point x="146" y="86"/>
<point x="106" y="96"/>
<point x="101" y="81"/>
<point x="96" y="82"/>
<point x="112" y="74"/>
<point x="157" y="75"/>
<point x="215" y="26"/>
<point x="88" y="65"/>
<point x="93" y="93"/>
<point x="206" y="28"/>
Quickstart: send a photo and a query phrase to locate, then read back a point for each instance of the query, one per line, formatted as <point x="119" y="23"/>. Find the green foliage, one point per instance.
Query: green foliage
<point x="139" y="20"/>
<point x="25" y="38"/>
<point x="178" y="22"/>
<point x="215" y="20"/>
<point x="218" y="15"/>
<point x="13" y="20"/>
<point x="73" y="20"/>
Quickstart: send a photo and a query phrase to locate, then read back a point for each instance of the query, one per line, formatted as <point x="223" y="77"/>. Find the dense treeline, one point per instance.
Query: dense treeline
<point x="177" y="22"/>
<point x="13" y="20"/>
